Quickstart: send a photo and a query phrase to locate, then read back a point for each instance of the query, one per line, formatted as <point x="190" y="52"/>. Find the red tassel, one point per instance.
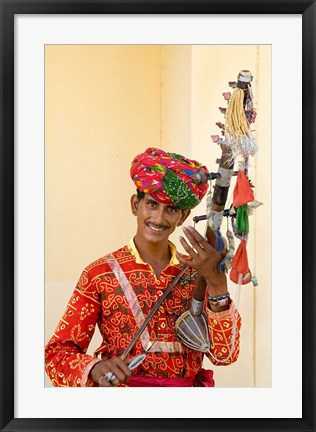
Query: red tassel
<point x="240" y="265"/>
<point x="243" y="193"/>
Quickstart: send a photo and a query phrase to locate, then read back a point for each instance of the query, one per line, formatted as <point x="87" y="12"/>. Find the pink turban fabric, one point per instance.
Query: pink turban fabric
<point x="169" y="178"/>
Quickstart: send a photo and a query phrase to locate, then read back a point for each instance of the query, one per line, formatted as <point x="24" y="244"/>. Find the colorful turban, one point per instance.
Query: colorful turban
<point x="169" y="178"/>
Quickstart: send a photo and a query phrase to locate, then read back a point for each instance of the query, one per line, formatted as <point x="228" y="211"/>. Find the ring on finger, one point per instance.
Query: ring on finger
<point x="108" y="376"/>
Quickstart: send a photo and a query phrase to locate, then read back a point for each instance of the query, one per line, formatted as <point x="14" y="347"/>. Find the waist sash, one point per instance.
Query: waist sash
<point x="204" y="378"/>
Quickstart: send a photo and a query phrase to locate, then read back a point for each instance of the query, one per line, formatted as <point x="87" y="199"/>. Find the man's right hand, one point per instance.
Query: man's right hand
<point x="115" y="365"/>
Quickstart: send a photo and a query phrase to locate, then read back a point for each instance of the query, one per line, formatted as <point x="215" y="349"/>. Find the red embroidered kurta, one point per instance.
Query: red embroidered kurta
<point x="116" y="293"/>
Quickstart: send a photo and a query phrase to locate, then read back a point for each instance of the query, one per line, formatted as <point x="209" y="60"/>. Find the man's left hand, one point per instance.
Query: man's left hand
<point x="205" y="259"/>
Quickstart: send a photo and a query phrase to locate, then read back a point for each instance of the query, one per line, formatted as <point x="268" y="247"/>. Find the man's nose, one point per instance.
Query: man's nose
<point x="160" y="216"/>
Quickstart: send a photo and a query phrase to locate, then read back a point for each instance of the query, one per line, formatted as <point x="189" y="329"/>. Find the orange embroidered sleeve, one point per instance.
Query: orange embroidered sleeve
<point x="65" y="353"/>
<point x="224" y="330"/>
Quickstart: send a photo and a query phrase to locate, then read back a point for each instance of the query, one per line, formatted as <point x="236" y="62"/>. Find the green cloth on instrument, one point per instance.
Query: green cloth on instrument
<point x="242" y="222"/>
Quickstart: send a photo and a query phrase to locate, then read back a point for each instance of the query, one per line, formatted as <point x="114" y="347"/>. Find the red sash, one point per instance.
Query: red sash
<point x="204" y="378"/>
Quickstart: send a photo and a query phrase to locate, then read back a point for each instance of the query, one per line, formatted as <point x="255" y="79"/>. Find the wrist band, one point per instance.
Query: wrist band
<point x="220" y="300"/>
<point x="219" y="297"/>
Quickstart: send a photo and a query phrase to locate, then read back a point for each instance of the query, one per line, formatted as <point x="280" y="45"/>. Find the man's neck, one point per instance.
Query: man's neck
<point x="155" y="254"/>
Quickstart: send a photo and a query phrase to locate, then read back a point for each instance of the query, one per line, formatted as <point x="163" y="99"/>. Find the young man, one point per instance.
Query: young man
<point x="118" y="291"/>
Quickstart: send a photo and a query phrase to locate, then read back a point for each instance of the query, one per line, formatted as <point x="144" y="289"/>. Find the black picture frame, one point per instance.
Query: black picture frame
<point x="8" y="10"/>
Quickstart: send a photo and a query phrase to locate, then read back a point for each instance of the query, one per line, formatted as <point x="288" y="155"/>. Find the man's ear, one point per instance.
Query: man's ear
<point x="134" y="204"/>
<point x="185" y="215"/>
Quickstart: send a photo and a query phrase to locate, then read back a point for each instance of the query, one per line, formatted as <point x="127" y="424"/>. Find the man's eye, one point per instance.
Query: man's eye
<point x="172" y="209"/>
<point x="151" y="203"/>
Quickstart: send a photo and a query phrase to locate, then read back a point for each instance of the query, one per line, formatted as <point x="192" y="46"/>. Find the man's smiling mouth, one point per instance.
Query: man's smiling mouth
<point x="156" y="228"/>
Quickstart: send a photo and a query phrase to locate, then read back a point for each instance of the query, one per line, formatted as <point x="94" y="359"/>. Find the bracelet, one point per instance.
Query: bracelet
<point x="219" y="297"/>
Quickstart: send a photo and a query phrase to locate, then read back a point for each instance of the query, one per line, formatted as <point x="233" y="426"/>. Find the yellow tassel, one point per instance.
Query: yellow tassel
<point x="236" y="123"/>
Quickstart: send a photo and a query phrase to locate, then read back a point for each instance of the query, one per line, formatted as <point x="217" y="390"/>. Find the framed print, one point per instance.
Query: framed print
<point x="57" y="103"/>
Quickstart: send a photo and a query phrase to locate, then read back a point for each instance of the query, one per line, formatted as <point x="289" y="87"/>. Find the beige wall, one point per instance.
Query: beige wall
<point x="105" y="104"/>
<point x="102" y="106"/>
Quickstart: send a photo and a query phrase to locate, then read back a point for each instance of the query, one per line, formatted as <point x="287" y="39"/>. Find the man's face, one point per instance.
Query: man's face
<point x="156" y="221"/>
